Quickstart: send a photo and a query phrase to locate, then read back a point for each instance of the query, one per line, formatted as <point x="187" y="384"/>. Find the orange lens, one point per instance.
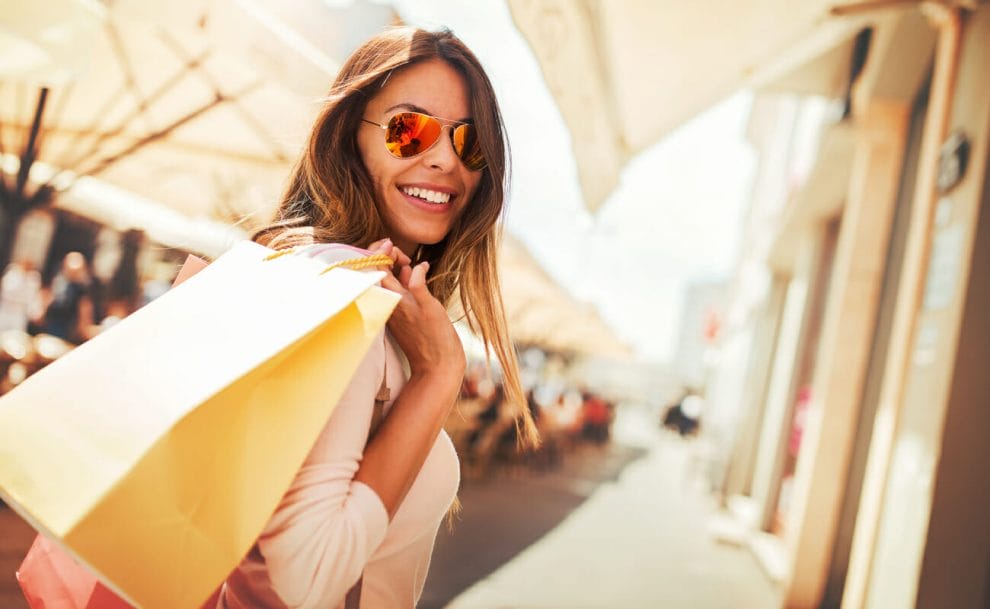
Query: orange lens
<point x="410" y="133"/>
<point x="466" y="145"/>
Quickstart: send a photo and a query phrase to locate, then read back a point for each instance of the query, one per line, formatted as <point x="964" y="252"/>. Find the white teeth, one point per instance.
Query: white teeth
<point x="427" y="195"/>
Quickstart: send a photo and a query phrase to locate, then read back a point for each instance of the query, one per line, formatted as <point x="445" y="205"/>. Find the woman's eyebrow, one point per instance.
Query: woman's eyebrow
<point x="421" y="110"/>
<point x="412" y="107"/>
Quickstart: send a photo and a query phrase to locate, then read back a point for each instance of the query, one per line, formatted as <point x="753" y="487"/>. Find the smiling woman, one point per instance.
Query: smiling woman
<point x="422" y="184"/>
<point x="407" y="159"/>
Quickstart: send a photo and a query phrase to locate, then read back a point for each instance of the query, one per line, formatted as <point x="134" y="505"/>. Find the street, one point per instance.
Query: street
<point x="618" y="525"/>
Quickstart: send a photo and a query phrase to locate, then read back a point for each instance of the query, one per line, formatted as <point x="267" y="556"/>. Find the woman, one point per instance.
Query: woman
<point x="407" y="158"/>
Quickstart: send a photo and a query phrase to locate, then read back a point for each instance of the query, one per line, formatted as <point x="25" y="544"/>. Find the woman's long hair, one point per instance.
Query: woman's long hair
<point x="330" y="196"/>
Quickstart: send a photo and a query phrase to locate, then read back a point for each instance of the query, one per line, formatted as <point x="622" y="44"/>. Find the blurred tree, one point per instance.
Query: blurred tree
<point x="15" y="200"/>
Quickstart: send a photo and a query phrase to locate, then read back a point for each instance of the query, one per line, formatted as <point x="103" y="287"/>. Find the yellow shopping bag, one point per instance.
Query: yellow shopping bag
<point x="156" y="452"/>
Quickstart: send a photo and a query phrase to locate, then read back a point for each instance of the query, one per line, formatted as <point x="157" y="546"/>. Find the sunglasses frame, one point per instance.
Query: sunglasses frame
<point x="444" y="122"/>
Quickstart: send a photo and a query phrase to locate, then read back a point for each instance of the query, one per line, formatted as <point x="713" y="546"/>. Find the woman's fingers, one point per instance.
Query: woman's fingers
<point x="411" y="280"/>
<point x="393" y="250"/>
<point x="389" y="282"/>
<point x="400" y="257"/>
<point x="417" y="282"/>
<point x="405" y="272"/>
<point x="420" y="323"/>
<point x="385" y="246"/>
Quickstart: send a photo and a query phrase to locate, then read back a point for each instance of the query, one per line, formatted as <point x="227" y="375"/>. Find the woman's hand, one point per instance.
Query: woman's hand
<point x="395" y="454"/>
<point x="420" y="324"/>
<point x="399" y="258"/>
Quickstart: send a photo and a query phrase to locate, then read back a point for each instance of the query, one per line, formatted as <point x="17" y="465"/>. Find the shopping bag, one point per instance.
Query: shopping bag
<point x="52" y="579"/>
<point x="190" y="267"/>
<point x="156" y="452"/>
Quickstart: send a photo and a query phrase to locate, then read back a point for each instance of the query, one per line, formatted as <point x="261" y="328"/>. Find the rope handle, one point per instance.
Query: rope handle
<point x="356" y="264"/>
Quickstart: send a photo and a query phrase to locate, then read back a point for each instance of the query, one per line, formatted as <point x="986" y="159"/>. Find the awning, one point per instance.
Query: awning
<point x="624" y="74"/>
<point x="202" y="105"/>
<point x="539" y="312"/>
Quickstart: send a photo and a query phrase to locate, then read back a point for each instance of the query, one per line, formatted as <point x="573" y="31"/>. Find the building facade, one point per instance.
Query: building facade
<point x="859" y="462"/>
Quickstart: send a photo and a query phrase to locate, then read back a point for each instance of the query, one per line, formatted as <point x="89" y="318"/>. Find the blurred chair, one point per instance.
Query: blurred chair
<point x="49" y="348"/>
<point x="486" y="447"/>
<point x="463" y="422"/>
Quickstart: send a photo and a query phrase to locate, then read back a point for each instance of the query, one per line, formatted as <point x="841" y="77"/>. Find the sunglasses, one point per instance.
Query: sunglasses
<point x="408" y="134"/>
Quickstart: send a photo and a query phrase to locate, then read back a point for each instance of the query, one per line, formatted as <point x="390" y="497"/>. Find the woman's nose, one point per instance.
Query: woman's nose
<point x="442" y="155"/>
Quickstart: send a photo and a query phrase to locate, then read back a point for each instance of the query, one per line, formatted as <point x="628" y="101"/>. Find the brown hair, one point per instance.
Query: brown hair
<point x="330" y="197"/>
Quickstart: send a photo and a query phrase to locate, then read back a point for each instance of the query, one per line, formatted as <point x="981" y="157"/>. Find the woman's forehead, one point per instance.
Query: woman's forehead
<point x="433" y="87"/>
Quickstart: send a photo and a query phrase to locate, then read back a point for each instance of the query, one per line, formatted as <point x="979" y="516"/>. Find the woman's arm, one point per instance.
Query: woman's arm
<point x="338" y="507"/>
<point x="398" y="450"/>
<point x="327" y="525"/>
<point x="420" y="325"/>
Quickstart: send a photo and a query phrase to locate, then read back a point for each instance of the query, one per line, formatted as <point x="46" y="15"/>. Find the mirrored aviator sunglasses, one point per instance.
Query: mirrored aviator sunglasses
<point x="408" y="134"/>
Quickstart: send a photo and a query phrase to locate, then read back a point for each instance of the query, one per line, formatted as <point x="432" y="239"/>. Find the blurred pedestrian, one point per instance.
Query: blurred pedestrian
<point x="684" y="416"/>
<point x="68" y="302"/>
<point x="598" y="415"/>
<point x="156" y="282"/>
<point x="20" y="296"/>
<point x="407" y="158"/>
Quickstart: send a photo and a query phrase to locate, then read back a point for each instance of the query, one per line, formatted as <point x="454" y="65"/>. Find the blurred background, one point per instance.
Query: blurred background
<point x="747" y="271"/>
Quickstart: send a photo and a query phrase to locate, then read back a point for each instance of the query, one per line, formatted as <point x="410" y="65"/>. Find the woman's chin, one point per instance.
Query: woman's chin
<point x="414" y="239"/>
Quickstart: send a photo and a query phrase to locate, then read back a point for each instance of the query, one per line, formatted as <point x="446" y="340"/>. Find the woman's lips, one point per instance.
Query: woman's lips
<point x="426" y="205"/>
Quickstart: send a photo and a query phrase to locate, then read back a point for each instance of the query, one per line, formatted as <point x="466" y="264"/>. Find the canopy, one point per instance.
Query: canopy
<point x="541" y="313"/>
<point x="199" y="104"/>
<point x="624" y="74"/>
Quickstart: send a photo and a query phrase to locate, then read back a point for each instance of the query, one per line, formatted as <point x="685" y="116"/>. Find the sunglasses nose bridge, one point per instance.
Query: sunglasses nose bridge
<point x="446" y="143"/>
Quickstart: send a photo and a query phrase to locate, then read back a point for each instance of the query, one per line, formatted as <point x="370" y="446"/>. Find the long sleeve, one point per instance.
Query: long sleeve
<point x="327" y="525"/>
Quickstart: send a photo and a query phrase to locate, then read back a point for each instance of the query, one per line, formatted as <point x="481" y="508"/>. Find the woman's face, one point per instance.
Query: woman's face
<point x="403" y="185"/>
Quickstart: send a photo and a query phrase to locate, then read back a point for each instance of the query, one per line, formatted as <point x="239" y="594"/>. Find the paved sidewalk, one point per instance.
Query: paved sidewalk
<point x="639" y="542"/>
<point x="510" y="509"/>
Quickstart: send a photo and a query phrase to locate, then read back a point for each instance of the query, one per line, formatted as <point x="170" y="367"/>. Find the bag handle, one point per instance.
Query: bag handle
<point x="356" y="264"/>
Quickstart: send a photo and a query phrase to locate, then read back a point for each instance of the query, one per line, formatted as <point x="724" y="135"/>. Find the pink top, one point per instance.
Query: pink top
<point x="329" y="528"/>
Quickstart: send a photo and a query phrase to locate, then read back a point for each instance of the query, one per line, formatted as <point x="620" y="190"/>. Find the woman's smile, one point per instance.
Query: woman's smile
<point x="429" y="197"/>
